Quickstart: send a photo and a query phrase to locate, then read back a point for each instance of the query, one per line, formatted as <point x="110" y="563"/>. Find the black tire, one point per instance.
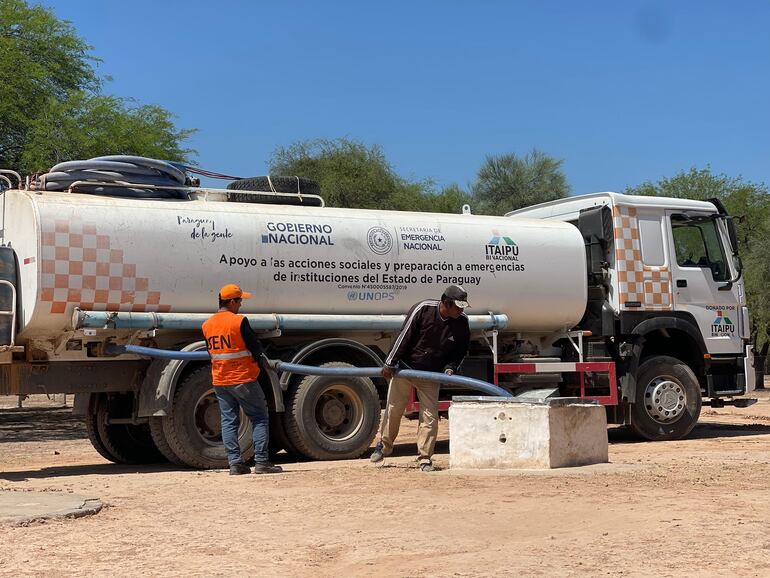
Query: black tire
<point x="159" y="437"/>
<point x="332" y="418"/>
<point x="279" y="439"/>
<point x="193" y="430"/>
<point x="122" y="443"/>
<point x="668" y="399"/>
<point x="280" y="185"/>
<point x="96" y="441"/>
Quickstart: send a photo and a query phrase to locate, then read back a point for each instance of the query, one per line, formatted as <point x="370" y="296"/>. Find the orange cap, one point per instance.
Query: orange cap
<point x="232" y="291"/>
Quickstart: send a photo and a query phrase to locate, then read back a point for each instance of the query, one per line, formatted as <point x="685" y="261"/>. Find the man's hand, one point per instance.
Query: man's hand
<point x="449" y="371"/>
<point x="387" y="371"/>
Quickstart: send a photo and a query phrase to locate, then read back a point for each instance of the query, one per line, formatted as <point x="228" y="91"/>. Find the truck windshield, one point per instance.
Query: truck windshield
<point x="697" y="244"/>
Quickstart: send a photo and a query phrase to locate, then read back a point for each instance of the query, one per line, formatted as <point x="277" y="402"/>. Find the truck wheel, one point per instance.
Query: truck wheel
<point x="668" y="399"/>
<point x="333" y="418"/>
<point x="126" y="443"/>
<point x="159" y="437"/>
<point x="96" y="441"/>
<point x="120" y="443"/>
<point x="279" y="440"/>
<point x="194" y="430"/>
<point x="280" y="184"/>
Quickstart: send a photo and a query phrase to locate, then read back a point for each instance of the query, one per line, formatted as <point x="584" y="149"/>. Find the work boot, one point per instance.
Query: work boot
<point x="239" y="469"/>
<point x="377" y="455"/>
<point x="267" y="468"/>
<point x="427" y="467"/>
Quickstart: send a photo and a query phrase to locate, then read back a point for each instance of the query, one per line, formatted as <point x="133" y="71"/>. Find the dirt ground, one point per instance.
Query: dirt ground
<point x="697" y="507"/>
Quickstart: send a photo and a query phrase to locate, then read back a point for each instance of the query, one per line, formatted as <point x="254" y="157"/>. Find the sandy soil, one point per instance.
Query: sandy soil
<point x="697" y="507"/>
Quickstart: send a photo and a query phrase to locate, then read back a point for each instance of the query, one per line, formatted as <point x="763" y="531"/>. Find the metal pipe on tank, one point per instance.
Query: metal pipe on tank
<point x="82" y="319"/>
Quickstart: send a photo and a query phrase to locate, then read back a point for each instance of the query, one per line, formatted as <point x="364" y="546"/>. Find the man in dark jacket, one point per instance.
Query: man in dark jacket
<point x="435" y="337"/>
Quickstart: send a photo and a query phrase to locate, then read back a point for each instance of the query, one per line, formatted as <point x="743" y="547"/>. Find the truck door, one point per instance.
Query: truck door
<point x="701" y="267"/>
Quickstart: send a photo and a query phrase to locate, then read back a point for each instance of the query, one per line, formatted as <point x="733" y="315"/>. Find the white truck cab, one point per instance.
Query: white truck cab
<point x="664" y="281"/>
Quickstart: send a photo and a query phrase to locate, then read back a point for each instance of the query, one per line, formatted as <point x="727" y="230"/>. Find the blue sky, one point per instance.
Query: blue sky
<point x="623" y="92"/>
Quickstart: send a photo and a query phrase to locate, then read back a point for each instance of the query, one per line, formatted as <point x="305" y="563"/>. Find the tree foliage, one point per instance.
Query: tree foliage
<point x="354" y="175"/>
<point x="85" y="126"/>
<point x="508" y="182"/>
<point x="749" y="203"/>
<point x="49" y="89"/>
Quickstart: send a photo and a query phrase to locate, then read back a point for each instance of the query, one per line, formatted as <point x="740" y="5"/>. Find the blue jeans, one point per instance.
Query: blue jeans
<point x="249" y="397"/>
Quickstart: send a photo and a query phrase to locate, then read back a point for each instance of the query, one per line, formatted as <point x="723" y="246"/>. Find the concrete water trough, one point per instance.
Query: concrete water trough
<point x="512" y="433"/>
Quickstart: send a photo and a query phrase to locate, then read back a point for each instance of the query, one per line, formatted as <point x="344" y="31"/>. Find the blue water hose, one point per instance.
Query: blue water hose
<point x="459" y="381"/>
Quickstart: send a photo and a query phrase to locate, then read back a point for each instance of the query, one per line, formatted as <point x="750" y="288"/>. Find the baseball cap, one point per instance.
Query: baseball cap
<point x="232" y="291"/>
<point x="458" y="295"/>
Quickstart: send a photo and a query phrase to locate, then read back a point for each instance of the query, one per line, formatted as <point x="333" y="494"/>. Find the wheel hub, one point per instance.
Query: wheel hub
<point x="339" y="412"/>
<point x="208" y="421"/>
<point x="333" y="412"/>
<point x="664" y="399"/>
<point x="207" y="417"/>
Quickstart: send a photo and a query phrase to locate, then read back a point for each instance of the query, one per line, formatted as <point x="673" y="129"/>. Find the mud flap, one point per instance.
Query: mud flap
<point x="749" y="370"/>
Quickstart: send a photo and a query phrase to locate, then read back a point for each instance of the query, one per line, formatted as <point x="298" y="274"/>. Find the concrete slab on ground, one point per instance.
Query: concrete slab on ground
<point x="23" y="507"/>
<point x="512" y="433"/>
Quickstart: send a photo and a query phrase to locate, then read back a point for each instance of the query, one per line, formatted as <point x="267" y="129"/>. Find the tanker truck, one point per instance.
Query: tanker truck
<point x="635" y="302"/>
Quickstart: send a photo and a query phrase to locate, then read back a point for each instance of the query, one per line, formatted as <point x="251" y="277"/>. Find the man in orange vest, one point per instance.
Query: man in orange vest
<point x="235" y="356"/>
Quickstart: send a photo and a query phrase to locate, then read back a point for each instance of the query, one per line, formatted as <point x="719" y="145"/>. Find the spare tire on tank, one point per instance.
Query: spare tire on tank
<point x="299" y="185"/>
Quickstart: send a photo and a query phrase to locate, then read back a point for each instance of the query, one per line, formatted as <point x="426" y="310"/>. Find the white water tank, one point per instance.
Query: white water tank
<point x="119" y="254"/>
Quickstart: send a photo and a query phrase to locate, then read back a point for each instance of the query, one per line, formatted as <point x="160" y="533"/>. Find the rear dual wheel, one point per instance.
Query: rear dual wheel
<point x="159" y="437"/>
<point x="279" y="439"/>
<point x="121" y="443"/>
<point x="332" y="418"/>
<point x="192" y="434"/>
<point x="326" y="418"/>
<point x="193" y="431"/>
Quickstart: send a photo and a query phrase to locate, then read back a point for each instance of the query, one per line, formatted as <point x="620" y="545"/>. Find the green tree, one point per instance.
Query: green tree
<point x="114" y="126"/>
<point x="421" y="197"/>
<point x="508" y="182"/>
<point x="352" y="174"/>
<point x="749" y="203"/>
<point x="46" y="72"/>
<point x="449" y="200"/>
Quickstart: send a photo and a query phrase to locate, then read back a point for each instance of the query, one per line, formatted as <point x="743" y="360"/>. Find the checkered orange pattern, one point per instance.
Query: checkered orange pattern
<point x="79" y="266"/>
<point x="648" y="285"/>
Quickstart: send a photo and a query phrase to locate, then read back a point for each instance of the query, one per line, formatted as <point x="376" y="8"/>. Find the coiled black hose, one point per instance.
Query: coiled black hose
<point x="119" y="169"/>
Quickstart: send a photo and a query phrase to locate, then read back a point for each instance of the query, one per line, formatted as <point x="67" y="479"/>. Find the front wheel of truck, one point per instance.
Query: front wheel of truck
<point x="668" y="399"/>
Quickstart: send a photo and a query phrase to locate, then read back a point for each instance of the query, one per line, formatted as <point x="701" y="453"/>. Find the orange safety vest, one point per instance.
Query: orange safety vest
<point x="231" y="361"/>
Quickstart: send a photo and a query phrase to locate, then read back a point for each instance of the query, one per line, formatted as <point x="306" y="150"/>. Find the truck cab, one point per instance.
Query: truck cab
<point x="665" y="290"/>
